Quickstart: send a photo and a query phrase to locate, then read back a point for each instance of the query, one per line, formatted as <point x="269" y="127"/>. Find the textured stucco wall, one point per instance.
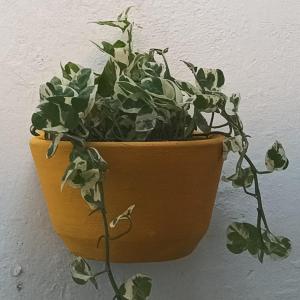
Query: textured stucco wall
<point x="256" y="43"/>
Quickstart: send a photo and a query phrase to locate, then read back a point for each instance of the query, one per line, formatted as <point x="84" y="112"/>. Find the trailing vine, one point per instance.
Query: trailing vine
<point x="135" y="97"/>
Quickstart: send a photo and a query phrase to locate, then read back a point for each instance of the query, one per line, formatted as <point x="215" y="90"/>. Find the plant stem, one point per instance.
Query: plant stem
<point x="263" y="172"/>
<point x="167" y="72"/>
<point x="248" y="193"/>
<point x="243" y="155"/>
<point x="212" y="132"/>
<point x="260" y="209"/>
<point x="100" y="273"/>
<point x="211" y="121"/>
<point x="257" y="195"/>
<point x="107" y="247"/>
<point x="117" y="236"/>
<point x="220" y="126"/>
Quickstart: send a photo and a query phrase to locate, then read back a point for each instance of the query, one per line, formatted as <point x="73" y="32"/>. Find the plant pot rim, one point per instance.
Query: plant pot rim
<point x="213" y="139"/>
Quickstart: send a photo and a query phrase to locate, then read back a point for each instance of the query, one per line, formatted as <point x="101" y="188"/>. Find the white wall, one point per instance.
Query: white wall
<point x="256" y="43"/>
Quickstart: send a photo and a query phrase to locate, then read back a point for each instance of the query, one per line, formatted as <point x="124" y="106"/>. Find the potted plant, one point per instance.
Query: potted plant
<point x="135" y="143"/>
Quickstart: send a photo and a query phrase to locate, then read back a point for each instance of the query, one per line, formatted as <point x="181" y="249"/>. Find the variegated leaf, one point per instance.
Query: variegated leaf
<point x="106" y="81"/>
<point x="56" y="81"/>
<point x="124" y="216"/>
<point x="91" y="194"/>
<point x="207" y="102"/>
<point x="246" y="237"/>
<point x="210" y="79"/>
<point x="276" y="159"/>
<point x="277" y="247"/>
<point x="70" y="171"/>
<point x="81" y="272"/>
<point x="46" y="90"/>
<point x="136" y="288"/>
<point x="86" y="171"/>
<point x="190" y="66"/>
<point x="153" y="68"/>
<point x="243" y="178"/>
<point x="233" y="143"/>
<point x="118" y="51"/>
<point x="69" y="70"/>
<point x="131" y="90"/>
<point x="53" y="147"/>
<point x="200" y="121"/>
<point x="242" y="237"/>
<point x="75" y="173"/>
<point x="66" y="103"/>
<point x="121" y="22"/>
<point x="232" y="104"/>
<point x="145" y="122"/>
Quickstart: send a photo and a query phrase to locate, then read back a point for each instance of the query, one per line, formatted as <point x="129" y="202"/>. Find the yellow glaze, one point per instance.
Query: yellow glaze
<point x="173" y="185"/>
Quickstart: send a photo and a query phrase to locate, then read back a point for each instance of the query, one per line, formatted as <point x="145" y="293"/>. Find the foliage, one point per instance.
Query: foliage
<point x="244" y="236"/>
<point x="136" y="288"/>
<point x="81" y="272"/>
<point x="135" y="97"/>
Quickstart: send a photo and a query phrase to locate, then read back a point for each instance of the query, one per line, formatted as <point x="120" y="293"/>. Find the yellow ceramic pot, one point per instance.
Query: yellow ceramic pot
<point x="173" y="185"/>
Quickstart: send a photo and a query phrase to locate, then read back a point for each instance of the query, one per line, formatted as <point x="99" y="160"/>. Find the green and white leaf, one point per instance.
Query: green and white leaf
<point x="136" y="288"/>
<point x="276" y="159"/>
<point x="46" y="90"/>
<point x="190" y="66"/>
<point x="81" y="272"/>
<point x="232" y="104"/>
<point x="200" y="121"/>
<point x="246" y="237"/>
<point x="233" y="143"/>
<point x="122" y="20"/>
<point x="118" y="51"/>
<point x="145" y="120"/>
<point x="91" y="194"/>
<point x="243" y="237"/>
<point x="124" y="216"/>
<point x="277" y="247"/>
<point x="69" y="71"/>
<point x="53" y="147"/>
<point x="243" y="178"/>
<point x="207" y="102"/>
<point x="86" y="171"/>
<point x="66" y="103"/>
<point x="210" y="79"/>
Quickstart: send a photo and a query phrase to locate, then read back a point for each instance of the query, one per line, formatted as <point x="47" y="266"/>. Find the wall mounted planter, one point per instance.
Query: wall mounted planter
<point x="172" y="184"/>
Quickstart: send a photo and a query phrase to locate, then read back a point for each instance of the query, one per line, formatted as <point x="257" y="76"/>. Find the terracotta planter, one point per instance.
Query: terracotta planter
<point x="172" y="184"/>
